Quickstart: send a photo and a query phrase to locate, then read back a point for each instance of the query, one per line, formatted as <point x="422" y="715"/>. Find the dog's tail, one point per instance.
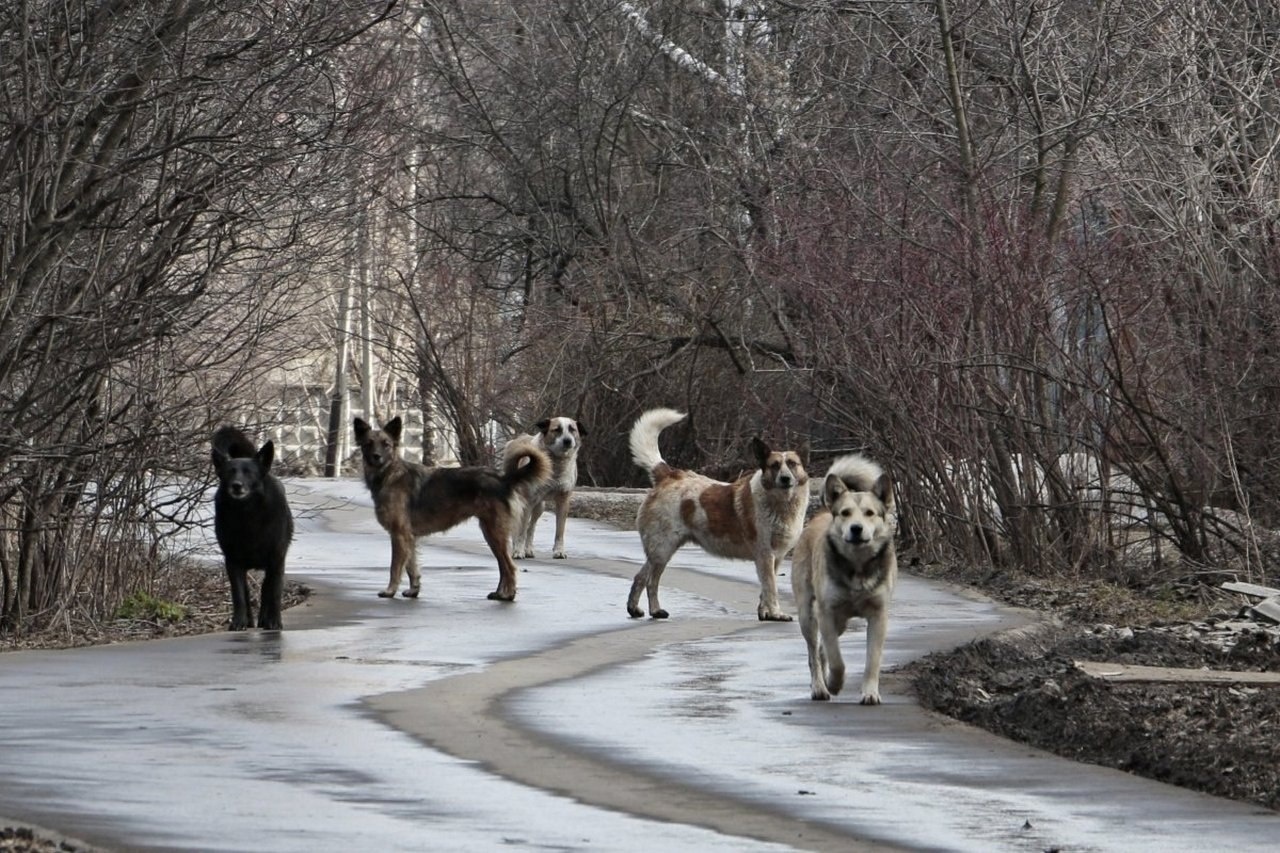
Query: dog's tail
<point x="644" y="437"/>
<point x="524" y="464"/>
<point x="233" y="443"/>
<point x="860" y="474"/>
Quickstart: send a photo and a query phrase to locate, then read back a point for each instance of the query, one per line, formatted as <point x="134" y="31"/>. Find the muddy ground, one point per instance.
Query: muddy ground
<point x="1219" y="739"/>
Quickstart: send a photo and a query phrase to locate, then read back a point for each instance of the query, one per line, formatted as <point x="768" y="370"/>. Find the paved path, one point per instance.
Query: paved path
<point x="456" y="723"/>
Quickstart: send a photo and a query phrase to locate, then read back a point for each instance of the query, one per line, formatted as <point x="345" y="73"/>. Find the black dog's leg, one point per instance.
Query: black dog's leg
<point x="272" y="591"/>
<point x="241" y="616"/>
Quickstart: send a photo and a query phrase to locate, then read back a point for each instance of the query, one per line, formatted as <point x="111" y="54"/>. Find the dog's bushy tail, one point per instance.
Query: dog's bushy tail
<point x="644" y="437"/>
<point x="519" y="473"/>
<point x="233" y="443"/>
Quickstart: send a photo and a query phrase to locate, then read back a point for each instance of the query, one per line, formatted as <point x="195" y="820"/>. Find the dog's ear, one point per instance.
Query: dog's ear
<point x="760" y="450"/>
<point x="362" y="429"/>
<point x="541" y="426"/>
<point x="832" y="489"/>
<point x="393" y="428"/>
<point x="883" y="489"/>
<point x="266" y="454"/>
<point x="582" y="429"/>
<point x="803" y="452"/>
<point x="219" y="458"/>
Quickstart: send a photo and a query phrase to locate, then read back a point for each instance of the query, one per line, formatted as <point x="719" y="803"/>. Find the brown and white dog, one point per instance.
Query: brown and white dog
<point x="412" y="500"/>
<point x="845" y="565"/>
<point x="560" y="437"/>
<point x="756" y="517"/>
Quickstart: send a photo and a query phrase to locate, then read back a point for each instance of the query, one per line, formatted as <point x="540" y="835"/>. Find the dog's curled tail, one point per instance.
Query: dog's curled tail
<point x="232" y="443"/>
<point x="860" y="474"/>
<point x="644" y="436"/>
<point x="516" y="472"/>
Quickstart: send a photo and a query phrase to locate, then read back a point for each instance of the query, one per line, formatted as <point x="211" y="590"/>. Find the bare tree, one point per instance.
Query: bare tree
<point x="164" y="192"/>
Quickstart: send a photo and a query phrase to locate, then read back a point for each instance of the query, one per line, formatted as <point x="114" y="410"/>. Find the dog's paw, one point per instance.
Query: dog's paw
<point x="411" y="592"/>
<point x="560" y="554"/>
<point x="819" y="695"/>
<point x="773" y="616"/>
<point x="499" y="595"/>
<point x="835" y="680"/>
<point x="634" y="612"/>
<point x="387" y="593"/>
<point x="870" y="699"/>
<point x="659" y="614"/>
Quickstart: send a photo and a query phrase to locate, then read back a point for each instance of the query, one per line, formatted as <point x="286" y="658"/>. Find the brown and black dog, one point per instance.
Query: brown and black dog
<point x="412" y="500"/>
<point x="757" y="517"/>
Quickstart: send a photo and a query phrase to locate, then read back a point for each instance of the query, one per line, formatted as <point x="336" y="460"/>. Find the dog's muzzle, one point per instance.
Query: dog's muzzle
<point x="854" y="535"/>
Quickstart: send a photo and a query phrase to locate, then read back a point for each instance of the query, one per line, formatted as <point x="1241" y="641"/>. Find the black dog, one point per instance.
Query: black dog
<point x="253" y="524"/>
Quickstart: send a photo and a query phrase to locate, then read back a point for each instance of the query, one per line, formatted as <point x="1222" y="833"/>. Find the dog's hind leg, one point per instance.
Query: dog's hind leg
<point x="639" y="583"/>
<point x="767" y="571"/>
<point x="496" y="536"/>
<point x="877" y="627"/>
<point x="657" y="555"/>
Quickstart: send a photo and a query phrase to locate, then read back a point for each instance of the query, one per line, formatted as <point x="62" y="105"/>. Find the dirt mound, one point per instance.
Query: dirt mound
<point x="1219" y="739"/>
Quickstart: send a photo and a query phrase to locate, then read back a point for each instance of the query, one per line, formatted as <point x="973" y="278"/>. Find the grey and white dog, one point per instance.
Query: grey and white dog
<point x="845" y="565"/>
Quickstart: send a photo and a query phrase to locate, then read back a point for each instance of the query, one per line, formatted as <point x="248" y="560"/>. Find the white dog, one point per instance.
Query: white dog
<point x="756" y="517"/>
<point x="845" y="565"/>
<point x="560" y="437"/>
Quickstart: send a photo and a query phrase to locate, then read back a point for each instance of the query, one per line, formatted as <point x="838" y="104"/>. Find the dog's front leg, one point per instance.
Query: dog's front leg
<point x="817" y="661"/>
<point x="877" y="627"/>
<point x="272" y="592"/>
<point x="830" y="628"/>
<point x="241" y="615"/>
<point x="767" y="571"/>
<point x="402" y="552"/>
<point x="562" y="516"/>
<point x="522" y="522"/>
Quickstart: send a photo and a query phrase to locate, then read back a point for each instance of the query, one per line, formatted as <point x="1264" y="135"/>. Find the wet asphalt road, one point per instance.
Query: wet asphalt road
<point x="456" y="723"/>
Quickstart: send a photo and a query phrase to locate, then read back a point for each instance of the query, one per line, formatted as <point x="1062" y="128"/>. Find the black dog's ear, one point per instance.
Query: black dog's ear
<point x="266" y="455"/>
<point x="761" y="451"/>
<point x="393" y="428"/>
<point x="541" y="426"/>
<point x="219" y="458"/>
<point x="582" y="428"/>
<point x="362" y="429"/>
